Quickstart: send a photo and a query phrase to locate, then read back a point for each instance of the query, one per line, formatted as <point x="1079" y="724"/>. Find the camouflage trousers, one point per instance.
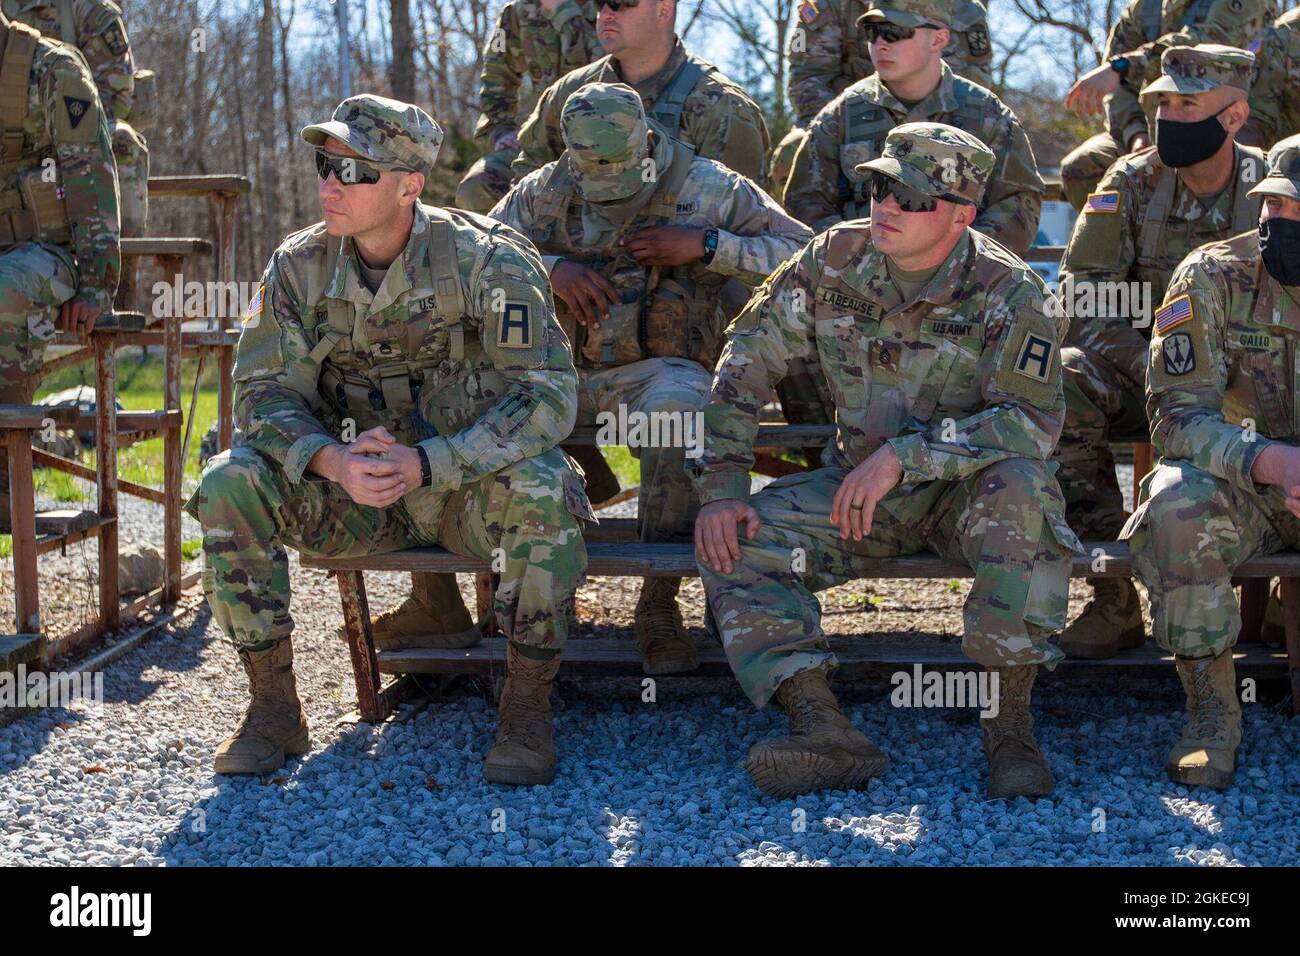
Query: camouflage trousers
<point x="132" y="156"/>
<point x="1007" y="524"/>
<point x="1187" y="535"/>
<point x="667" y="502"/>
<point x="486" y="182"/>
<point x="1083" y="167"/>
<point x="35" y="279"/>
<point x="783" y="161"/>
<point x="530" y="511"/>
<point x="1099" y="397"/>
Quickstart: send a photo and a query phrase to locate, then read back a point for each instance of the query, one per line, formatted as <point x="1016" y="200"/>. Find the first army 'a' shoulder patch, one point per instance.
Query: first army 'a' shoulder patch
<point x="1035" y="358"/>
<point x="515" y="331"/>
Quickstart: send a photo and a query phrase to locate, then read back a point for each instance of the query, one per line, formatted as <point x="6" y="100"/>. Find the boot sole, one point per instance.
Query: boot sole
<point x="1084" y="651"/>
<point x="1201" y="777"/>
<point x="449" y="642"/>
<point x="237" y="765"/>
<point x="785" y="773"/>
<point x="518" y="776"/>
<point x="684" y="666"/>
<point x="1010" y="793"/>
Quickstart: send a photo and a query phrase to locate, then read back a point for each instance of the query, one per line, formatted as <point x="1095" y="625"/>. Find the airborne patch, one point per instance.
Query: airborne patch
<point x="841" y="300"/>
<point x="1179" y="356"/>
<point x="77" y="109"/>
<point x="1035" y="358"/>
<point x="515" y="331"/>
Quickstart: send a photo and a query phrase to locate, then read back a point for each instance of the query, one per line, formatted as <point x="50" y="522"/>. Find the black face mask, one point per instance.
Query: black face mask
<point x="1279" y="245"/>
<point x="1182" y="143"/>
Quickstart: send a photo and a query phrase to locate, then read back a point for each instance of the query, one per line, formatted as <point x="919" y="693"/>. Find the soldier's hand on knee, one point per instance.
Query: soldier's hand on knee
<point x="665" y="245"/>
<point x="78" y="316"/>
<point x="855" y="500"/>
<point x="1279" y="464"/>
<point x="716" y="541"/>
<point x="586" y="292"/>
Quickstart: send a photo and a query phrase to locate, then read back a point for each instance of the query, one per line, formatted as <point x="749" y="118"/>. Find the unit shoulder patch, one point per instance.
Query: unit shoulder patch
<point x="1178" y="354"/>
<point x="515" y="330"/>
<point x="77" y="109"/>
<point x="1035" y="358"/>
<point x="115" y="39"/>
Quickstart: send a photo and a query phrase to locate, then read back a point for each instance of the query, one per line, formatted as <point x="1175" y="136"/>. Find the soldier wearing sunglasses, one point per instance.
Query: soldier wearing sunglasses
<point x="830" y="49"/>
<point x="400" y="382"/>
<point x="943" y="360"/>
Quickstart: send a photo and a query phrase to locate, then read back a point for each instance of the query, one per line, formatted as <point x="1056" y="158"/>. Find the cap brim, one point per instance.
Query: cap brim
<point x="609" y="183"/>
<point x="899" y="17"/>
<point x="317" y="133"/>
<point x="1276" y="186"/>
<point x="1168" y="84"/>
<point x="904" y="174"/>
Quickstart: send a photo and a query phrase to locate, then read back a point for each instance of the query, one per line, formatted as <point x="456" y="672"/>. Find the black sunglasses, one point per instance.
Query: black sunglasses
<point x="892" y="32"/>
<point x="617" y="5"/>
<point x="349" y="170"/>
<point x="909" y="199"/>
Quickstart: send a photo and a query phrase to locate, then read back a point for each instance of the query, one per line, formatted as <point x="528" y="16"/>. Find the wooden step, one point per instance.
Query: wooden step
<point x="148" y="246"/>
<point x="64" y="521"/>
<point x="859" y="657"/>
<point x="18" y="649"/>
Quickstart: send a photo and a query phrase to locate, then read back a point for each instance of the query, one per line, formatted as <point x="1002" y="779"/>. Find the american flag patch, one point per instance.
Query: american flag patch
<point x="1173" y="313"/>
<point x="808" y="11"/>
<point x="254" y="310"/>
<point x="1102" y="202"/>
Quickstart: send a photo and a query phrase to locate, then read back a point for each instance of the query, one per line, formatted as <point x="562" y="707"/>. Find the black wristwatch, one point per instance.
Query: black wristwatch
<point x="426" y="470"/>
<point x="1120" y="65"/>
<point x="710" y="245"/>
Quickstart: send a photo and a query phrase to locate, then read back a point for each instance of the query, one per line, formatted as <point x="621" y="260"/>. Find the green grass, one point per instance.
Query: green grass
<point x="191" y="548"/>
<point x="140" y="388"/>
<point x="6" y="546"/>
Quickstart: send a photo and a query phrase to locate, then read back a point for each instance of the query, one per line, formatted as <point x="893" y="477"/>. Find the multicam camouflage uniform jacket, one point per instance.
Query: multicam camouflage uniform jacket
<point x="833" y="53"/>
<point x="966" y="375"/>
<point x="1225" y="352"/>
<point x="529" y="50"/>
<point x="465" y="314"/>
<point x="1275" y="93"/>
<point x="825" y="188"/>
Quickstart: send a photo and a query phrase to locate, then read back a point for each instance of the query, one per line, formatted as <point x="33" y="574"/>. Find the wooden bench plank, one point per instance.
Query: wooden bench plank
<point x="859" y="657"/>
<point x="176" y="246"/>
<point x="18" y="649"/>
<point x="204" y="185"/>
<point x="64" y="521"/>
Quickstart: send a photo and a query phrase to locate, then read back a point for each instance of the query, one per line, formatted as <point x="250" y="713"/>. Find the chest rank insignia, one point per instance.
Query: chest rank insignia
<point x="1179" y="356"/>
<point x="515" y="331"/>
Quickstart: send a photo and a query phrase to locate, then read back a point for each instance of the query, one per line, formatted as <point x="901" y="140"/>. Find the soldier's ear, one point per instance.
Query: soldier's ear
<point x="412" y="188"/>
<point x="1235" y="116"/>
<point x="942" y="37"/>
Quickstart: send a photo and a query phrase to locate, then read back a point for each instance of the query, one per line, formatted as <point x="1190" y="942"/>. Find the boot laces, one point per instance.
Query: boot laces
<point x="661" y="621"/>
<point x="520" y="720"/>
<point x="1207" y="714"/>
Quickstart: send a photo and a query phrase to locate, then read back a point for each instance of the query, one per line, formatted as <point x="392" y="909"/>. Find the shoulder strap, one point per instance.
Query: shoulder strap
<point x="663" y="203"/>
<point x="667" y="109"/>
<point x="1245" y="209"/>
<point x="970" y="108"/>
<point x="67" y="23"/>
<point x="1153" y="227"/>
<point x="862" y="120"/>
<point x="18" y="43"/>
<point x="556" y="195"/>
<point x="444" y="273"/>
<point x="1150" y="16"/>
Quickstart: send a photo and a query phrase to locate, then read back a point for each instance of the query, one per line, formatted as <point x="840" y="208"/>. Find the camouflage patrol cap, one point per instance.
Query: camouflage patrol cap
<point x="1201" y="68"/>
<point x="387" y="131"/>
<point x="909" y="13"/>
<point x="936" y="159"/>
<point x="1283" y="175"/>
<point x="604" y="127"/>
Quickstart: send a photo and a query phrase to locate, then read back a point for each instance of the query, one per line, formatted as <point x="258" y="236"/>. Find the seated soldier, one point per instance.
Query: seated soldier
<point x="1152" y="208"/>
<point x="357" y="315"/>
<point x="943" y="361"/>
<point x="1223" y="402"/>
<point x="640" y="235"/>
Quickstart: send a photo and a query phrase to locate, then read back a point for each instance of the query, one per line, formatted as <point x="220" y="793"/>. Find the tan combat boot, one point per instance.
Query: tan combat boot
<point x="524" y="753"/>
<point x="666" y="648"/>
<point x="1205" y="756"/>
<point x="1017" y="766"/>
<point x="433" y="616"/>
<point x="824" y="750"/>
<point x="274" y="725"/>
<point x="1111" y="622"/>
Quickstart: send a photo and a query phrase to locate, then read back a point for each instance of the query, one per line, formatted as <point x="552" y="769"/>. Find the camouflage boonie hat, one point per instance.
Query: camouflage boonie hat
<point x="1283" y="174"/>
<point x="936" y="159"/>
<point x="387" y="131"/>
<point x="909" y="13"/>
<point x="1201" y="68"/>
<point x="604" y="128"/>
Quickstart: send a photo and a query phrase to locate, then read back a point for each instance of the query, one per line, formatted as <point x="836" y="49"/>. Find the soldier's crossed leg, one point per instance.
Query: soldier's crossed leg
<point x="1006" y="523"/>
<point x="486" y="181"/>
<point x="250" y="513"/>
<point x="1083" y="167"/>
<point x="1190" y="533"/>
<point x="667" y="502"/>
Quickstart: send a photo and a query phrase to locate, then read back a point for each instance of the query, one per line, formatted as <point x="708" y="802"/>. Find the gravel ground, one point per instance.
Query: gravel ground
<point x="639" y="783"/>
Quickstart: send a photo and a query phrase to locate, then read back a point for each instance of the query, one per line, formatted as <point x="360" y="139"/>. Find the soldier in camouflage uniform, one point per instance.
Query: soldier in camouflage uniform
<point x="59" y="251"/>
<point x="1152" y="209"/>
<point x="1275" y="94"/>
<point x="430" y="332"/>
<point x="687" y="96"/>
<point x="95" y="28"/>
<point x="913" y="83"/>
<point x="534" y="44"/>
<point x="635" y="217"/>
<point x="830" y="49"/>
<point x="1224" y="405"/>
<point x="1143" y="32"/>
<point x="943" y="357"/>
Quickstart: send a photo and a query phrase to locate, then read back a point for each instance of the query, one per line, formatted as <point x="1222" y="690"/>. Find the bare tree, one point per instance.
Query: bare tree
<point x="403" y="67"/>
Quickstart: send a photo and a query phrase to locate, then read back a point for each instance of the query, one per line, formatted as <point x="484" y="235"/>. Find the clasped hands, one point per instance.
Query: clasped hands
<point x="375" y="470"/>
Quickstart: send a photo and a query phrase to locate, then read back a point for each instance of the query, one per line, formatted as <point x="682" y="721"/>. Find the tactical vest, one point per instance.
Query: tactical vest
<point x="864" y="126"/>
<point x="31" y="207"/>
<point x="1152" y="261"/>
<point x="382" y="386"/>
<point x="663" y="311"/>
<point x="667" y="109"/>
<point x="1151" y="19"/>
